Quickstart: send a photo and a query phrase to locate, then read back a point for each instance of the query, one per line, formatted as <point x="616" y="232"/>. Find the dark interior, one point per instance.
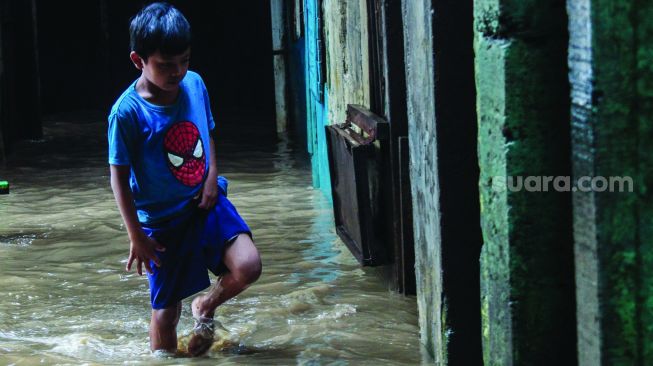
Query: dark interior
<point x="455" y="97"/>
<point x="83" y="54"/>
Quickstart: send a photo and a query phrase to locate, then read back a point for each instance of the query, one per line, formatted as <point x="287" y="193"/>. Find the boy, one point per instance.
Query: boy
<point x="165" y="182"/>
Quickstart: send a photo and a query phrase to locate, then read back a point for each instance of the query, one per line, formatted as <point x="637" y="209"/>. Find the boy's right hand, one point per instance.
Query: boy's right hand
<point x="142" y="250"/>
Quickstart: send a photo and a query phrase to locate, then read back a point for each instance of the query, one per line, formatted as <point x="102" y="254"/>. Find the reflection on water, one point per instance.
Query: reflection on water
<point x="65" y="298"/>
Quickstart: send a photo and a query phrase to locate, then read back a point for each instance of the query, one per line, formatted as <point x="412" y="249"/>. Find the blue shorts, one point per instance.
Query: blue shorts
<point x="195" y="242"/>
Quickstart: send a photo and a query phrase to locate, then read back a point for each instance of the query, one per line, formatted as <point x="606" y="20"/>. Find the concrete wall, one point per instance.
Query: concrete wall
<point x="523" y="115"/>
<point x="611" y="62"/>
<point x="526" y="54"/>
<point x="420" y="82"/>
<point x="347" y="56"/>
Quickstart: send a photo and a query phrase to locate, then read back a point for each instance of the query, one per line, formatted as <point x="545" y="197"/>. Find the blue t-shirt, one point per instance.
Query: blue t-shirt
<point x="167" y="147"/>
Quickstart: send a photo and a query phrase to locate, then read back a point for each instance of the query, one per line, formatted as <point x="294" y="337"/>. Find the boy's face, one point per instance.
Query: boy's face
<point x="164" y="71"/>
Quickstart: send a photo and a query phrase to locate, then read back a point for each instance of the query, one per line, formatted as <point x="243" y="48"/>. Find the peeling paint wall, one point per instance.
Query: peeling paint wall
<point x="347" y="56"/>
<point x="344" y="27"/>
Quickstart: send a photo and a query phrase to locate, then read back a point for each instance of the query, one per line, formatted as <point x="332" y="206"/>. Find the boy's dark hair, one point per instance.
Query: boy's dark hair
<point x="159" y="26"/>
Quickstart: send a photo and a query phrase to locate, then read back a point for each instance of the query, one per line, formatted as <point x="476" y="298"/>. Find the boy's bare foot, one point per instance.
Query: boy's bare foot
<point x="202" y="338"/>
<point x="203" y="331"/>
<point x="203" y="308"/>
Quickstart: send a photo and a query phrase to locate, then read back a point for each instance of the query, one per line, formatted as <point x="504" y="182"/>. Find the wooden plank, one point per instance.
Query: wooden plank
<point x="374" y="126"/>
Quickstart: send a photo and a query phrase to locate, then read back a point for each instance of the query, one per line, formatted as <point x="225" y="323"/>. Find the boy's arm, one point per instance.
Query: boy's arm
<point x="210" y="190"/>
<point x="142" y="247"/>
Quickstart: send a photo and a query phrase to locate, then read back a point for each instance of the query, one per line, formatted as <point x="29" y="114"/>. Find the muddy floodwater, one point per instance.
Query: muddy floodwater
<point x="66" y="299"/>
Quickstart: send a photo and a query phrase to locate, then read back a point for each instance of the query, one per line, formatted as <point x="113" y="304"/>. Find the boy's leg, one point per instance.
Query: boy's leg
<point x="163" y="328"/>
<point x="244" y="264"/>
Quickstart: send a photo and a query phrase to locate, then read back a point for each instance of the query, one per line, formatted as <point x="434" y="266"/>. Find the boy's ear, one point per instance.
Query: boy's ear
<point x="136" y="59"/>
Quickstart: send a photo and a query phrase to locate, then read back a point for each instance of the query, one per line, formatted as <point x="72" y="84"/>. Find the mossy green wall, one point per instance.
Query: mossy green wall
<point x="643" y="17"/>
<point x="527" y="296"/>
<point x="611" y="59"/>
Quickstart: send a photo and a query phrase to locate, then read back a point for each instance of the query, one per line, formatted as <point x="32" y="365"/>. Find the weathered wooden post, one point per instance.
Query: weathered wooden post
<point x="611" y="64"/>
<point x="420" y="81"/>
<point x="527" y="296"/>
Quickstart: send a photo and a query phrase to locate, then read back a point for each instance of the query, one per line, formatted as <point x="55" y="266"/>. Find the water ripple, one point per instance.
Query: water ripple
<point x="66" y="298"/>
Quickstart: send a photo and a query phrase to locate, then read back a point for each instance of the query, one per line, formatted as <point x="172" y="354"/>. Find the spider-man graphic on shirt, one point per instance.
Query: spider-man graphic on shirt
<point x="185" y="153"/>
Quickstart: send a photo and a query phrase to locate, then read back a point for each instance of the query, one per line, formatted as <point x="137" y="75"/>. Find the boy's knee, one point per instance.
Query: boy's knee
<point x="168" y="317"/>
<point x="249" y="271"/>
<point x="243" y="260"/>
<point x="255" y="270"/>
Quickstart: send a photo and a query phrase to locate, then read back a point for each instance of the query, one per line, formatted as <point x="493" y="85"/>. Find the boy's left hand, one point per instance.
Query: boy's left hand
<point x="209" y="195"/>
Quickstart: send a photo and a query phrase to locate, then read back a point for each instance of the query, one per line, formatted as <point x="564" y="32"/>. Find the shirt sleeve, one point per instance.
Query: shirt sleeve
<point x="120" y="136"/>
<point x="207" y="106"/>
